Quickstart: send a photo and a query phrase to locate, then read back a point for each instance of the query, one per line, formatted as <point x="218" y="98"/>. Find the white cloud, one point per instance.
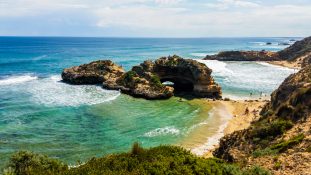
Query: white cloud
<point x="169" y="17"/>
<point x="226" y="4"/>
<point x="167" y="2"/>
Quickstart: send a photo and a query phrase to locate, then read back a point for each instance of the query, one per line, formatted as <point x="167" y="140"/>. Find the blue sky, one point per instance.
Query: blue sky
<point x="155" y="18"/>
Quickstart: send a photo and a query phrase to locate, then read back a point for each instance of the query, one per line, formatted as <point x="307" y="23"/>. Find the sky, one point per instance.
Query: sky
<point x="156" y="18"/>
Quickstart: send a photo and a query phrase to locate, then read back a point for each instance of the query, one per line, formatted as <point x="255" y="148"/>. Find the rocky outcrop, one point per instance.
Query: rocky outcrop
<point x="293" y="98"/>
<point x="298" y="49"/>
<point x="281" y="139"/>
<point x="244" y="56"/>
<point x="95" y="72"/>
<point x="145" y="80"/>
<point x="299" y="54"/>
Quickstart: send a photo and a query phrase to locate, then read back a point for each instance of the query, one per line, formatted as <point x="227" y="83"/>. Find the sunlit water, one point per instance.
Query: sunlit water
<point x="38" y="112"/>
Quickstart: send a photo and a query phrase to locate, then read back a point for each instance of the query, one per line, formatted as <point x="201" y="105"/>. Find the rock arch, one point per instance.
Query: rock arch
<point x="145" y="80"/>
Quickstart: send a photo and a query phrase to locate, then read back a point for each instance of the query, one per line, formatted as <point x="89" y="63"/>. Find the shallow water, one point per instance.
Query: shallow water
<point x="40" y="113"/>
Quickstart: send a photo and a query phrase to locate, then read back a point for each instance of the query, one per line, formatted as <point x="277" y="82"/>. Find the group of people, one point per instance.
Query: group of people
<point x="261" y="94"/>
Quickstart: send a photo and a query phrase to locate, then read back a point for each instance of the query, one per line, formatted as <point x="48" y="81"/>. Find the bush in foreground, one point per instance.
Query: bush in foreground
<point x="157" y="160"/>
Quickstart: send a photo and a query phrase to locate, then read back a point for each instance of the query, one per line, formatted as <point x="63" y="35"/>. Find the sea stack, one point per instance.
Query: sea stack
<point x="145" y="80"/>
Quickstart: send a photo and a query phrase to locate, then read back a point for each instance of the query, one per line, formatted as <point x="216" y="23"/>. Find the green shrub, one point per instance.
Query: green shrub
<point x="265" y="129"/>
<point x="156" y="81"/>
<point x="158" y="160"/>
<point x="264" y="152"/>
<point x="256" y="170"/>
<point x="279" y="147"/>
<point x="25" y="162"/>
<point x="231" y="170"/>
<point x="284" y="145"/>
<point x="128" y="76"/>
<point x="308" y="149"/>
<point x="128" y="79"/>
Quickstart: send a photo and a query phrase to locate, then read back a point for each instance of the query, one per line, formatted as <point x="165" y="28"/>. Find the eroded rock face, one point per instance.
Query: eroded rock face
<point x="95" y="72"/>
<point x="145" y="80"/>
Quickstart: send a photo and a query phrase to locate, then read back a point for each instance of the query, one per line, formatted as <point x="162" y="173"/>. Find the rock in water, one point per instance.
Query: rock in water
<point x="244" y="56"/>
<point x="145" y="80"/>
<point x="95" y="72"/>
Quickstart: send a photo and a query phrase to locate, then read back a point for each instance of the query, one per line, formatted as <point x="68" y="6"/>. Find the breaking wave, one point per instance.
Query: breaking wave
<point x="52" y="92"/>
<point x="168" y="130"/>
<point x="17" y="79"/>
<point x="218" y="67"/>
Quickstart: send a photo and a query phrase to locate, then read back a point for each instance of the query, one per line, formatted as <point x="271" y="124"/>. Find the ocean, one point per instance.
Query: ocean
<point x="40" y="113"/>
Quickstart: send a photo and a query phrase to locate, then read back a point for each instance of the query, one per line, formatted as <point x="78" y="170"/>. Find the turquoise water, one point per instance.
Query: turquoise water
<point x="38" y="112"/>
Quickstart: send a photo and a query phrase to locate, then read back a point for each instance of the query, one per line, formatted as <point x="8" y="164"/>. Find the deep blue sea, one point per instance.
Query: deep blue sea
<point x="40" y="113"/>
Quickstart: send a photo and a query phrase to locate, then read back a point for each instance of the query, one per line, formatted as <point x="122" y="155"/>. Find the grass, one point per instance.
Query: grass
<point x="284" y="145"/>
<point x="156" y="161"/>
<point x="279" y="147"/>
<point x="264" y="152"/>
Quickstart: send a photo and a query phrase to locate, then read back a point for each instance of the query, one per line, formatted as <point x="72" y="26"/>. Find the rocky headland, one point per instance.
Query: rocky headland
<point x="296" y="55"/>
<point x="244" y="56"/>
<point x="280" y="138"/>
<point x="145" y="80"/>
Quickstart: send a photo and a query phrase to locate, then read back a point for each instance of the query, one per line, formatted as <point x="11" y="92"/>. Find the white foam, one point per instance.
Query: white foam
<point x="219" y="67"/>
<point x="17" y="79"/>
<point x="259" y="43"/>
<point x="168" y="130"/>
<point x="214" y="139"/>
<point x="52" y="92"/>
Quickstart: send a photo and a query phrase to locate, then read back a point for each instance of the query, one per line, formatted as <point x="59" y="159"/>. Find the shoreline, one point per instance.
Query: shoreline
<point x="233" y="118"/>
<point x="287" y="64"/>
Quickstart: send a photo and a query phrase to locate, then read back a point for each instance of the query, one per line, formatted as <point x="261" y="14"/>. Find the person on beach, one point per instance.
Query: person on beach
<point x="246" y="111"/>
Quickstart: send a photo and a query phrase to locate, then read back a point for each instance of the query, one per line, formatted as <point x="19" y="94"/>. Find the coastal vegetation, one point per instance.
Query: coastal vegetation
<point x="158" y="160"/>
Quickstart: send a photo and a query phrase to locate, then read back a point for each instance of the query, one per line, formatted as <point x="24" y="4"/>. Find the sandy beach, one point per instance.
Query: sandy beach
<point x="233" y="116"/>
<point x="241" y="119"/>
<point x="291" y="65"/>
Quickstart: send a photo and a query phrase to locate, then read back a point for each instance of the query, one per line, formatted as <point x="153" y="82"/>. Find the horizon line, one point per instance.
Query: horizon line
<point x="146" y="37"/>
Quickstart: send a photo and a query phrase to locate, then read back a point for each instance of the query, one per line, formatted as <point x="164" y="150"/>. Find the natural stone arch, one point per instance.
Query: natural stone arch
<point x="179" y="84"/>
<point x="145" y="80"/>
<point x="186" y="74"/>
